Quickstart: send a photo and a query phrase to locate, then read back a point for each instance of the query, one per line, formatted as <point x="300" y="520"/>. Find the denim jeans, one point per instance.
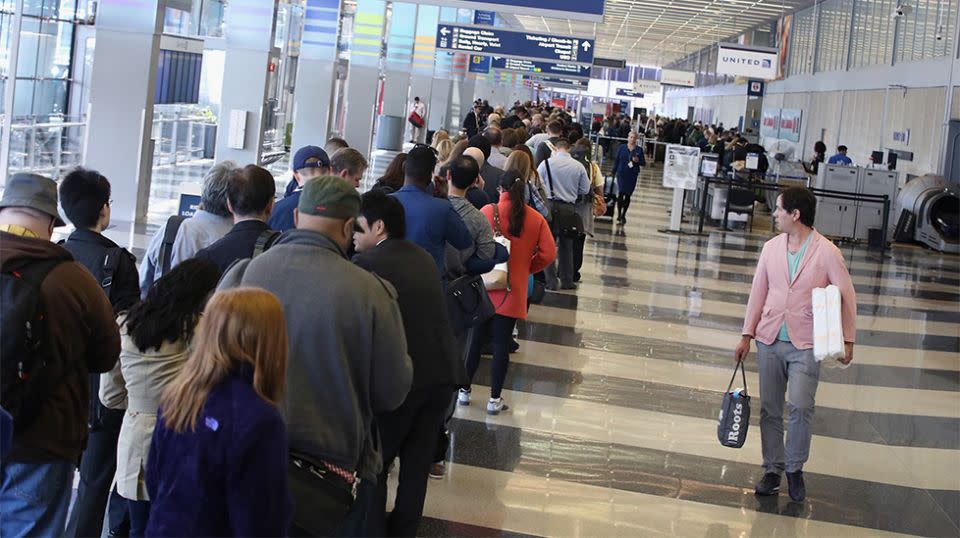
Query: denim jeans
<point x="34" y="498"/>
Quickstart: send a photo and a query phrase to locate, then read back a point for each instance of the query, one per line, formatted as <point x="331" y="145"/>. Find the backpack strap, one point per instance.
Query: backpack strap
<point x="266" y="240"/>
<point x="553" y="193"/>
<point x="111" y="261"/>
<point x="34" y="272"/>
<point x="169" y="237"/>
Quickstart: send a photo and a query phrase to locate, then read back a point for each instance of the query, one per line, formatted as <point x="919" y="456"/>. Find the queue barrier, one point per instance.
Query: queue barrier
<point x="820" y="193"/>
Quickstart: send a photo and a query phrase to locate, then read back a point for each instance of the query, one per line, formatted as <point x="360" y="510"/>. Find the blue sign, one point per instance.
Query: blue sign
<point x="189" y="203"/>
<point x="479" y="64"/>
<point x="495" y="42"/>
<point x="755" y="88"/>
<point x="627" y="92"/>
<point x="591" y="10"/>
<point x="545" y="68"/>
<point x="487" y="18"/>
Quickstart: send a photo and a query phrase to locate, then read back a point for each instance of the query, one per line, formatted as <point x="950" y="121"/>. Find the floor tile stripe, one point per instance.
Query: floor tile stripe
<point x="538" y="505"/>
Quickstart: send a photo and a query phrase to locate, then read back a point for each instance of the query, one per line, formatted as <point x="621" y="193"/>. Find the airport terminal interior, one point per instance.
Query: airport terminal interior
<point x="615" y="383"/>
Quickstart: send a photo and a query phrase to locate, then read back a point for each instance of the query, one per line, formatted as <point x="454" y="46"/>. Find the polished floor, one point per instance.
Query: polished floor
<point x="616" y="387"/>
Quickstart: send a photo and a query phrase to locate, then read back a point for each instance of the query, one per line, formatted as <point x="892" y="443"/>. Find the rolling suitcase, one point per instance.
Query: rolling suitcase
<point x="610" y="198"/>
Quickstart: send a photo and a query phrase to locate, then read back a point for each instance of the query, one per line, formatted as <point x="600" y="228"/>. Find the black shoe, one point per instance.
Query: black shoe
<point x="576" y="277"/>
<point x="514" y="346"/>
<point x="768" y="485"/>
<point x="798" y="490"/>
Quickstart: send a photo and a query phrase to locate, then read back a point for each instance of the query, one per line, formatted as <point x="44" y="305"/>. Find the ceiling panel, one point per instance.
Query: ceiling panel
<point x="657" y="32"/>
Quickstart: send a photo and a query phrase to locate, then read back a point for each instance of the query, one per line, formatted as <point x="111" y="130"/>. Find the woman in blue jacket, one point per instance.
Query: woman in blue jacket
<point x="218" y="461"/>
<point x="626" y="168"/>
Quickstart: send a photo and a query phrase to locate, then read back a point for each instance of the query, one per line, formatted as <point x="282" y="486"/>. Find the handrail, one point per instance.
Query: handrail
<point x="25" y="126"/>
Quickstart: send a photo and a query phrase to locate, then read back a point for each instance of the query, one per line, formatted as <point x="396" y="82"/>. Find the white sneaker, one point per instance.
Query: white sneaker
<point x="495" y="405"/>
<point x="463" y="398"/>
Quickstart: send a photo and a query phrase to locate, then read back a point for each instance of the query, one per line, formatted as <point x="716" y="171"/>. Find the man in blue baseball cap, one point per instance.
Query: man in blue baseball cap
<point x="308" y="162"/>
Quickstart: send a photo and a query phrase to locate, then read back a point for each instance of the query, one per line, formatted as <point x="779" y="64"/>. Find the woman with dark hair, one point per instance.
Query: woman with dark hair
<point x="392" y="179"/>
<point x="532" y="248"/>
<point x="155" y="339"/>
<point x="819" y="156"/>
<point x="218" y="460"/>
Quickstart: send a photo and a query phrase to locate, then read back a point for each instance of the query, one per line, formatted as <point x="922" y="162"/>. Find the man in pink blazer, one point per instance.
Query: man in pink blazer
<point x="780" y="317"/>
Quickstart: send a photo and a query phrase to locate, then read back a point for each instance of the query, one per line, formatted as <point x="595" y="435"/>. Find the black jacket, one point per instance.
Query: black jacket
<point x="90" y="249"/>
<point x="491" y="180"/>
<point x="430" y="341"/>
<point x="238" y="244"/>
<point x="471" y="124"/>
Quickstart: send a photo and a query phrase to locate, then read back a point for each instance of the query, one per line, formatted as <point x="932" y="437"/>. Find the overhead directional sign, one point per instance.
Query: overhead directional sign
<point x="581" y="10"/>
<point x="488" y="41"/>
<point x="646" y="86"/>
<point x="479" y="64"/>
<point x="627" y="92"/>
<point x="545" y="68"/>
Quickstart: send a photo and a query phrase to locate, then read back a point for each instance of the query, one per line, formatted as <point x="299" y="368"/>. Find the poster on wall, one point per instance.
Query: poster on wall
<point x="681" y="167"/>
<point x="770" y="123"/>
<point x="790" y="124"/>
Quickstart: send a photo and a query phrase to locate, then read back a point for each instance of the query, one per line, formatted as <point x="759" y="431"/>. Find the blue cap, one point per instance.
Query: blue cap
<point x="310" y="152"/>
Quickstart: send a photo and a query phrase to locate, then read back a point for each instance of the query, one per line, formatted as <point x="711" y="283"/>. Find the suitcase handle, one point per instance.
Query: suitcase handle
<point x="743" y="372"/>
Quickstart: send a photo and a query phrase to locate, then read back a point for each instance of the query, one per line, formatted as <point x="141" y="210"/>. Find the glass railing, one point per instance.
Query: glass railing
<point x="50" y="147"/>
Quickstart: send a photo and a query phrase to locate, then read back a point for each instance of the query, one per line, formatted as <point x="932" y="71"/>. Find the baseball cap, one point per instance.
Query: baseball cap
<point x="33" y="191"/>
<point x="310" y="152"/>
<point x="329" y="196"/>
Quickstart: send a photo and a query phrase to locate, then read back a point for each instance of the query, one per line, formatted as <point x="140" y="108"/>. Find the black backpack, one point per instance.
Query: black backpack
<point x="166" y="246"/>
<point x="27" y="369"/>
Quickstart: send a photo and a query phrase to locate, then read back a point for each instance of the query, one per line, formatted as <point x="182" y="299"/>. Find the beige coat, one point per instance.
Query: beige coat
<point x="136" y="382"/>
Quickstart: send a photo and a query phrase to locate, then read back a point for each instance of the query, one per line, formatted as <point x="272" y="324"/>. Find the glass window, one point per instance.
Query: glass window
<point x="45" y="49"/>
<point x="40" y="98"/>
<point x="873" y="28"/>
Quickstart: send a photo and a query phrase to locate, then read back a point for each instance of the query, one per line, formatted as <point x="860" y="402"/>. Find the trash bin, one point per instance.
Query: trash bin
<point x="390" y="133"/>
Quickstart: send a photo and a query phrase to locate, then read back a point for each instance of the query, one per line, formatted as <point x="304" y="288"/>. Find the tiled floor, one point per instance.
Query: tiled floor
<point x="616" y="388"/>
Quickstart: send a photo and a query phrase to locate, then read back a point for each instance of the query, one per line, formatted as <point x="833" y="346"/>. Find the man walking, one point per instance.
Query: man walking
<point x="566" y="180"/>
<point x="779" y="316"/>
<point x="417" y="116"/>
<point x="58" y="328"/>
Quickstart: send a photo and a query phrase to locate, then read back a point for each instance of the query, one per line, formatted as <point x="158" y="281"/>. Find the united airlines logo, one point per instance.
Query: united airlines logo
<point x="766" y="64"/>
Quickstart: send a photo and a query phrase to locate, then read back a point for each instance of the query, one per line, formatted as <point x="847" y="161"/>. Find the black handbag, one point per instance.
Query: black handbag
<point x="566" y="221"/>
<point x="468" y="303"/>
<point x="734" y="413"/>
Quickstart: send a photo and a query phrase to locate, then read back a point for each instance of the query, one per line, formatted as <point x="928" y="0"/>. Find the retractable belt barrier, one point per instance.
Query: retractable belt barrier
<point x="820" y="193"/>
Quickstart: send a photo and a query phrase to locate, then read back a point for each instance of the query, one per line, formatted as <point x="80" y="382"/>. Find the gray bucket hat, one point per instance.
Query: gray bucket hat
<point x="33" y="191"/>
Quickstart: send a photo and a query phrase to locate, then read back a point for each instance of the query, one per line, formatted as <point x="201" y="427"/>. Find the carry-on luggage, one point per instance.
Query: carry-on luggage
<point x="609" y="198"/>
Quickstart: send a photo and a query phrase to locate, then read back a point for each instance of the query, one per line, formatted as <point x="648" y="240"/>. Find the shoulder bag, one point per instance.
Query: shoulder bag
<point x="499" y="277"/>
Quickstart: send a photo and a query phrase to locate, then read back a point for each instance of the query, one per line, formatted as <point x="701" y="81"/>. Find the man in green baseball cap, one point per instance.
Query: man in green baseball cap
<point x="330" y="206"/>
<point x="347" y="355"/>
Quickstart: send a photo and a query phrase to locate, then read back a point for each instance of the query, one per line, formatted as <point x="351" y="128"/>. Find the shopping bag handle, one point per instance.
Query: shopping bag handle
<point x="743" y="372"/>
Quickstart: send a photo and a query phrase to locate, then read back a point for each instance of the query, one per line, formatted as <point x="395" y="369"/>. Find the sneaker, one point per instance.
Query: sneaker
<point x="798" y="490"/>
<point x="495" y="405"/>
<point x="570" y="286"/>
<point x="438" y="470"/>
<point x="463" y="397"/>
<point x="514" y="346"/>
<point x="769" y="484"/>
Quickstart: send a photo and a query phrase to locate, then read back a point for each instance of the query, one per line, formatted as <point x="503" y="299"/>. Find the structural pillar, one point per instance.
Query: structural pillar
<point x="316" y="74"/>
<point x="363" y="80"/>
<point x="250" y="27"/>
<point x="121" y="102"/>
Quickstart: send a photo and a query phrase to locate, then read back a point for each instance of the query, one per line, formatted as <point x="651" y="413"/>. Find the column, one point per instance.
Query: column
<point x="399" y="56"/>
<point x="363" y="80"/>
<point x="122" y="84"/>
<point x="424" y="56"/>
<point x="316" y="73"/>
<point x="250" y="26"/>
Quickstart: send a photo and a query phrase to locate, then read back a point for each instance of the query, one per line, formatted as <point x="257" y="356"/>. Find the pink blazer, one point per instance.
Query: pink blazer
<point x="773" y="298"/>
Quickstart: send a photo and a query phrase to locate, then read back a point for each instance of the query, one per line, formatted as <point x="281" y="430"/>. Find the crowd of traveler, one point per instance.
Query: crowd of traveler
<point x="273" y="359"/>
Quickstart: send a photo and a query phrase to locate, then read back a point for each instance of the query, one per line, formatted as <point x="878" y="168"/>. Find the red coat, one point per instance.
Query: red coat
<point x="530" y="253"/>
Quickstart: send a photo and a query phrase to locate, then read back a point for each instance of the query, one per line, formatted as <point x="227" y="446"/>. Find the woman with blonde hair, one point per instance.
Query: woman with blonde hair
<point x="444" y="149"/>
<point x="218" y="463"/>
<point x="522" y="161"/>
<point x="493" y="120"/>
<point x="438" y="137"/>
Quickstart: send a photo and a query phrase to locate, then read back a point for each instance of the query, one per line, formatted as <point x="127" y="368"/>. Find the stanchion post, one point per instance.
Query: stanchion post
<point x="703" y="204"/>
<point x="886" y="220"/>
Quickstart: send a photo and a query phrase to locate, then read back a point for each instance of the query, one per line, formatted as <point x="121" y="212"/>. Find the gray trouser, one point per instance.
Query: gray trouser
<point x="784" y="369"/>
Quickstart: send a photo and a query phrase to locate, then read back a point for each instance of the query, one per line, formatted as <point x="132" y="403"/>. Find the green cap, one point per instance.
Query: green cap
<point x="329" y="196"/>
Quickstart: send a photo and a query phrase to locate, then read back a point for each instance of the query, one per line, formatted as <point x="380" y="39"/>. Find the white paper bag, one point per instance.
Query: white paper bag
<point x="499" y="277"/>
<point x="827" y="324"/>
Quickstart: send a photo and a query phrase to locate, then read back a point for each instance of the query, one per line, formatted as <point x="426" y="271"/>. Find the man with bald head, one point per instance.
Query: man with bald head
<point x="347" y="356"/>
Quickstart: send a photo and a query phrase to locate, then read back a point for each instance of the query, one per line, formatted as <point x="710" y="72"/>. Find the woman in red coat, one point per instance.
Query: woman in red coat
<point x="531" y="249"/>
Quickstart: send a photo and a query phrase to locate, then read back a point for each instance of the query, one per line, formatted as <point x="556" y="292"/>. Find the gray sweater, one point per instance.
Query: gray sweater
<point x="348" y="353"/>
<point x="483" y="244"/>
